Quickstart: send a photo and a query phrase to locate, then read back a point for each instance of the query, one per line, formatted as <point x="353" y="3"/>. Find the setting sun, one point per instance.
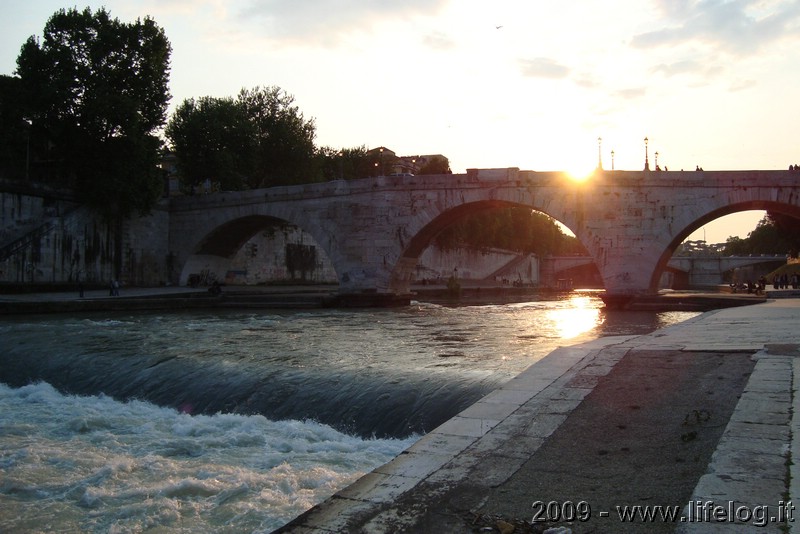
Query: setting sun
<point x="580" y="175"/>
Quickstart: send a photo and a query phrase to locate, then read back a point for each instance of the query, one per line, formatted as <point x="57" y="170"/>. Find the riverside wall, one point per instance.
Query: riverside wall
<point x="49" y="239"/>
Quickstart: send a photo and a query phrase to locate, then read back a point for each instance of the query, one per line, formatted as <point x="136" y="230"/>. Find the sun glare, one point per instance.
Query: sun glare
<point x="577" y="318"/>
<point x="580" y="175"/>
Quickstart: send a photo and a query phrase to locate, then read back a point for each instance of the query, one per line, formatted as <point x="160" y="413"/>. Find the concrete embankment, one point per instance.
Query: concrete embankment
<point x="696" y="420"/>
<point x="164" y="298"/>
<point x="315" y="296"/>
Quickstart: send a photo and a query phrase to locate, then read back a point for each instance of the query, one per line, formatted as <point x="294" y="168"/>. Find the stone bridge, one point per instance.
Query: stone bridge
<point x="708" y="271"/>
<point x="374" y="230"/>
<point x="699" y="270"/>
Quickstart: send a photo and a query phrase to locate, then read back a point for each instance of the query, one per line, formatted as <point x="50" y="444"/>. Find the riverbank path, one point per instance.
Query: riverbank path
<point x="693" y="428"/>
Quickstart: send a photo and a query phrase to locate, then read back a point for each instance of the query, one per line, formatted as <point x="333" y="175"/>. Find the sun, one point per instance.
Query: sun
<point x="581" y="169"/>
<point x="580" y="174"/>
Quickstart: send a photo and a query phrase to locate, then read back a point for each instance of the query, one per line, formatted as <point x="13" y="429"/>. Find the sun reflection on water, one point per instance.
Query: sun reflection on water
<point x="580" y="315"/>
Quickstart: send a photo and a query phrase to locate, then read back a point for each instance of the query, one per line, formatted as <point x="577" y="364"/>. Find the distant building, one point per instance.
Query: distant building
<point x="169" y="169"/>
<point x="699" y="248"/>
<point x="388" y="163"/>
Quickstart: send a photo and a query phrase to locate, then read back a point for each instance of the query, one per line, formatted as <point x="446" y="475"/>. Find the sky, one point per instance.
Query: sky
<point x="542" y="85"/>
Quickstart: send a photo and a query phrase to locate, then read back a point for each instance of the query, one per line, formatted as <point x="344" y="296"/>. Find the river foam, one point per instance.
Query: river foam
<point x="93" y="464"/>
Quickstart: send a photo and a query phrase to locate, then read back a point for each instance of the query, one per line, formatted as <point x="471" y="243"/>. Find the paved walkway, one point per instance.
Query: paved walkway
<point x="478" y="472"/>
<point x="164" y="291"/>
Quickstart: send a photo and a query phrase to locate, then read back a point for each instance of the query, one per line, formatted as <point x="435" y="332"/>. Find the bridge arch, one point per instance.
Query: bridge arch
<point x="216" y="250"/>
<point x="711" y="215"/>
<point x="423" y="234"/>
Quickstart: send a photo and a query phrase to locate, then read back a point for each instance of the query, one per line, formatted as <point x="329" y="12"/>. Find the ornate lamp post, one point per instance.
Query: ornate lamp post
<point x="599" y="153"/>
<point x="612" y="159"/>
<point x="656" y="159"/>
<point x="646" y="160"/>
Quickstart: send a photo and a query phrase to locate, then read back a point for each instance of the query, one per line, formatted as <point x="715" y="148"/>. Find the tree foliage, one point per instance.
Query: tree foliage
<point x="516" y="228"/>
<point x="436" y="165"/>
<point x="259" y="139"/>
<point x="774" y="234"/>
<point x="788" y="228"/>
<point x="342" y="164"/>
<point x="14" y="130"/>
<point x="284" y="138"/>
<point x="213" y="140"/>
<point x="96" y="93"/>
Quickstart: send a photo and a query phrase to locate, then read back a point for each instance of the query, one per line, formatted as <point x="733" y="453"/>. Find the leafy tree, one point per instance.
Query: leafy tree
<point x="736" y="246"/>
<point x="285" y="140"/>
<point x="14" y="130"/>
<point x="96" y="93"/>
<point x="214" y="140"/>
<point x="344" y="163"/>
<point x="789" y="229"/>
<point x="767" y="238"/>
<point x="355" y="162"/>
<point x="436" y="165"/>
<point x="327" y="165"/>
<point x="259" y="139"/>
<point x="519" y="229"/>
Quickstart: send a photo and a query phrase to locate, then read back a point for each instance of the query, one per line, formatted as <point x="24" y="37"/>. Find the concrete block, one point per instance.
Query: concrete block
<point x="516" y="397"/>
<point x="750" y="491"/>
<point x="333" y="515"/>
<point x="489" y="410"/>
<point x="756" y="430"/>
<point x="413" y="465"/>
<point x="464" y="426"/>
<point x="438" y="443"/>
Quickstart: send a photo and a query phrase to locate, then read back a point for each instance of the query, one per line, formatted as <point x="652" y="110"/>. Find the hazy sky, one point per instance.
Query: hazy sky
<point x="524" y="83"/>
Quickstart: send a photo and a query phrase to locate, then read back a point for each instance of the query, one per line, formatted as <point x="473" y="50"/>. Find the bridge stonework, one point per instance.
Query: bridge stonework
<point x="374" y="230"/>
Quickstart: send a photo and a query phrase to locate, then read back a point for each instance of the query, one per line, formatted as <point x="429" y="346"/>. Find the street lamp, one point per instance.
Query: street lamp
<point x="599" y="153"/>
<point x="646" y="160"/>
<point x="612" y="159"/>
<point x="656" y="159"/>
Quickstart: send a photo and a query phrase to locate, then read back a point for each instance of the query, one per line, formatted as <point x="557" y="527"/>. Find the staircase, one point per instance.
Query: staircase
<point x="509" y="267"/>
<point x="27" y="236"/>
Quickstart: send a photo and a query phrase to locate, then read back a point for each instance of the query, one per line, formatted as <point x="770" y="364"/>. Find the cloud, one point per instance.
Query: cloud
<point x="327" y="21"/>
<point x="679" y="67"/>
<point x="587" y="81"/>
<point x="542" y="67"/>
<point x="688" y="67"/>
<point x="743" y="85"/>
<point x="439" y="41"/>
<point x="631" y="93"/>
<point x="737" y="27"/>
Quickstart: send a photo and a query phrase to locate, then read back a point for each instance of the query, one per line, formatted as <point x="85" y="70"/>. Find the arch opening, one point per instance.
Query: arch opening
<point x="471" y="243"/>
<point x="669" y="272"/>
<point x="258" y="250"/>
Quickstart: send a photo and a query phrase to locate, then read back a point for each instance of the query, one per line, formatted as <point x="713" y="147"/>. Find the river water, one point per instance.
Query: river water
<point x="238" y="421"/>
